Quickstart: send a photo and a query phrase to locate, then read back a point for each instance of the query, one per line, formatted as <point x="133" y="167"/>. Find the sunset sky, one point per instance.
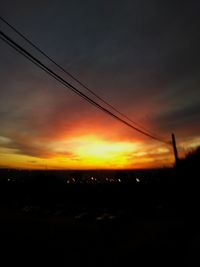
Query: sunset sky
<point x="141" y="56"/>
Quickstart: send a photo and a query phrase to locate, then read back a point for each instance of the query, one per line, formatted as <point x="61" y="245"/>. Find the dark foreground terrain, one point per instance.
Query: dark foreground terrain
<point x="47" y="219"/>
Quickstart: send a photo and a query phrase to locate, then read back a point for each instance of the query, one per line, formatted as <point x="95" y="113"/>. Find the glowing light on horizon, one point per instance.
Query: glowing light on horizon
<point x="90" y="152"/>
<point x="93" y="151"/>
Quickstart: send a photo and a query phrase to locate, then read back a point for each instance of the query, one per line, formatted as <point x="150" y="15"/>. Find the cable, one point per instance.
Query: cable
<point x="37" y="62"/>
<point x="34" y="60"/>
<point x="75" y="79"/>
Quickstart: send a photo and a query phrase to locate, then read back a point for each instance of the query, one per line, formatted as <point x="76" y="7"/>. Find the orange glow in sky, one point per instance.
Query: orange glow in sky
<point x="90" y="152"/>
<point x="129" y="56"/>
<point x="96" y="147"/>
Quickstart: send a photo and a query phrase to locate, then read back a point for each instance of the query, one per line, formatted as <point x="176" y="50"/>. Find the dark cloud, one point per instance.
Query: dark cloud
<point x="180" y="118"/>
<point x="142" y="56"/>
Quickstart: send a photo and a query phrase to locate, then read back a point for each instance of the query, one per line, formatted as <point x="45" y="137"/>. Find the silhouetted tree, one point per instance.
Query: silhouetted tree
<point x="189" y="177"/>
<point x="191" y="161"/>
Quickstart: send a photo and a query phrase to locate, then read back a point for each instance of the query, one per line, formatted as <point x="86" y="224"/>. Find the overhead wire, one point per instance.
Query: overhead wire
<point x="38" y="63"/>
<point x="74" y="78"/>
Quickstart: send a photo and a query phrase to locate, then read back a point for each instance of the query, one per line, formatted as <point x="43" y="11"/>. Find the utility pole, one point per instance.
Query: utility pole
<point x="175" y="150"/>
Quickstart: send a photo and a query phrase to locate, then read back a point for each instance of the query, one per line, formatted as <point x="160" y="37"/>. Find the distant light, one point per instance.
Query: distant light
<point x="92" y="178"/>
<point x="137" y="180"/>
<point x="112" y="217"/>
<point x="68" y="181"/>
<point x="80" y="215"/>
<point x="119" y="180"/>
<point x="99" y="218"/>
<point x="9" y="179"/>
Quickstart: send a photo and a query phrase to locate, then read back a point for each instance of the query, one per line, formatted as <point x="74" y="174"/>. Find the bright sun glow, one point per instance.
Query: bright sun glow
<point x="93" y="151"/>
<point x="88" y="152"/>
<point x="96" y="148"/>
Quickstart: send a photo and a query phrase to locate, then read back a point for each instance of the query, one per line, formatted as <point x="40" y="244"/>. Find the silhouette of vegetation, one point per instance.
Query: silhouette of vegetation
<point x="189" y="167"/>
<point x="192" y="159"/>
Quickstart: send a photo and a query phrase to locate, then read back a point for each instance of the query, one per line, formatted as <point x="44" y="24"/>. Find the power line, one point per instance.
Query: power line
<point x="38" y="63"/>
<point x="75" y="79"/>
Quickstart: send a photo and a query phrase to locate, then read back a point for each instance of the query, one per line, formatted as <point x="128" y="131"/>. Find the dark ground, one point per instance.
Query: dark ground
<point x="126" y="224"/>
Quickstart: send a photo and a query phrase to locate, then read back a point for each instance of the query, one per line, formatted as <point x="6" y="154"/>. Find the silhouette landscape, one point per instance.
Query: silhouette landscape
<point x="99" y="133"/>
<point x="101" y="217"/>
